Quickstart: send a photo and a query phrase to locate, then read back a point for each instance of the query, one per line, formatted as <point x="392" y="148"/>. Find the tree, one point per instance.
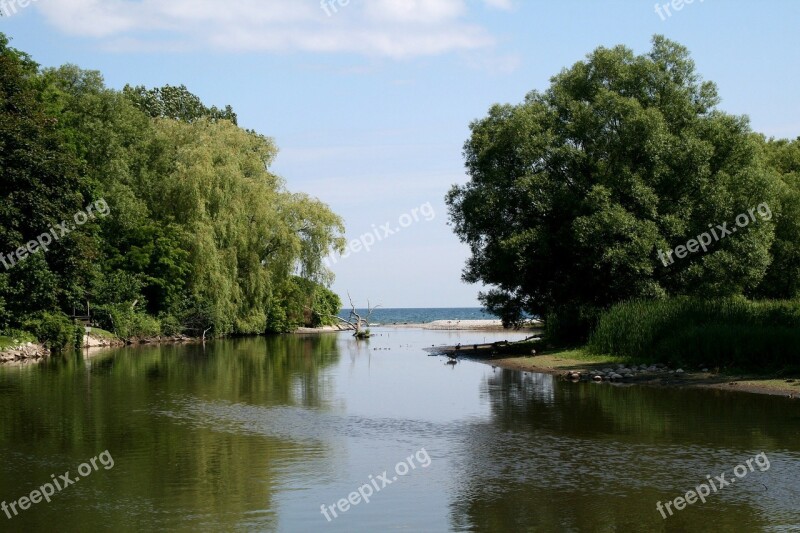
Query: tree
<point x="176" y="103"/>
<point x="574" y="192"/>
<point x="41" y="184"/>
<point x="782" y="280"/>
<point x="200" y="232"/>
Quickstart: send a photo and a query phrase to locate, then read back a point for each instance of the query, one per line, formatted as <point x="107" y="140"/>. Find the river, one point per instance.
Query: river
<point x="294" y="433"/>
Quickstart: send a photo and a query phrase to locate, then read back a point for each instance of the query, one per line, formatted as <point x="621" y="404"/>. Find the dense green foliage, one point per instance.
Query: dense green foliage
<point x="729" y="333"/>
<point x="54" y="330"/>
<point x="782" y="279"/>
<point x="199" y="235"/>
<point x="574" y="192"/>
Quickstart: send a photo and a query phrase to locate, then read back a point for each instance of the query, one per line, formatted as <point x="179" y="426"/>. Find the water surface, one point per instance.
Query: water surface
<point x="258" y="434"/>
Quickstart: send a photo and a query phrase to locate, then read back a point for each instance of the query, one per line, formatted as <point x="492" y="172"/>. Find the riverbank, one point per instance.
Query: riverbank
<point x="23" y="354"/>
<point x="26" y="351"/>
<point x="566" y="363"/>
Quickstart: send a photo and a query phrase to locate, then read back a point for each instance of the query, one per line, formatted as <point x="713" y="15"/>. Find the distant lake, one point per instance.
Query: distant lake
<point x="422" y="315"/>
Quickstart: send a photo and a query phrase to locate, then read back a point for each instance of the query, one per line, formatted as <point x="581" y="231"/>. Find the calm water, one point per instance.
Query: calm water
<point x="257" y="434"/>
<point x="411" y="315"/>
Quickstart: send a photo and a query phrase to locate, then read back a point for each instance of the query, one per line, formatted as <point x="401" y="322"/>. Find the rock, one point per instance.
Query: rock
<point x="597" y="378"/>
<point x="606" y="370"/>
<point x="679" y="371"/>
<point x="705" y="370"/>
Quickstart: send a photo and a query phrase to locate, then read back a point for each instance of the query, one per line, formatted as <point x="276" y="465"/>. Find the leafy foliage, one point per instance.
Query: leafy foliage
<point x="54" y="330"/>
<point x="176" y="103"/>
<point x="200" y="233"/>
<point x="720" y="333"/>
<point x="574" y="191"/>
<point x="311" y="305"/>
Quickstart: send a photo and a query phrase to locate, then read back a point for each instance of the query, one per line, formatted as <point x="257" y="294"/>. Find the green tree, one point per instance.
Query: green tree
<point x="782" y="280"/>
<point x="41" y="184"/>
<point x="176" y="103"/>
<point x="574" y="192"/>
<point x="200" y="233"/>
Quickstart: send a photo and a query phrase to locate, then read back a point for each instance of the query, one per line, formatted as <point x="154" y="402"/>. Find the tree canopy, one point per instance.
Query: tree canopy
<point x="200" y="233"/>
<point x="573" y="193"/>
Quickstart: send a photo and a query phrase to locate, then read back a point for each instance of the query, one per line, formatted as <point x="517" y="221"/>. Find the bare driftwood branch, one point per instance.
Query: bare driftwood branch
<point x="355" y="321"/>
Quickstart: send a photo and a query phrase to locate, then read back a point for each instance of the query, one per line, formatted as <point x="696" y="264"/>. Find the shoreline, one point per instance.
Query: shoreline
<point x="32" y="353"/>
<point x="562" y="363"/>
<point x="435" y="325"/>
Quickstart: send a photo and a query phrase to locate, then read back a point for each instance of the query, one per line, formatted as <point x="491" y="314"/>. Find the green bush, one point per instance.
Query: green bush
<point x="54" y="330"/>
<point x="170" y="326"/>
<point x="728" y="333"/>
<point x="327" y="305"/>
<point x="127" y="323"/>
<point x="300" y="302"/>
<point x="18" y="335"/>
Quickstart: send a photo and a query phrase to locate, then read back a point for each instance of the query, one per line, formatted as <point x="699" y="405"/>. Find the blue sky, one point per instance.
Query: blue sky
<point x="370" y="102"/>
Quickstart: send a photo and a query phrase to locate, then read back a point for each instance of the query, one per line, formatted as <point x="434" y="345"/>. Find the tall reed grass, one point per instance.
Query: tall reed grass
<point x="729" y="333"/>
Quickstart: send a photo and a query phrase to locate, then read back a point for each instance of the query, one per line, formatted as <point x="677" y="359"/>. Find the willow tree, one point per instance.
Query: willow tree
<point x="573" y="192"/>
<point x="245" y="233"/>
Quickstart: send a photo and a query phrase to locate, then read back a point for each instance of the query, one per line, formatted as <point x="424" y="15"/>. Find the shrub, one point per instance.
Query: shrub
<point x="733" y="333"/>
<point x="170" y="326"/>
<point x="54" y="330"/>
<point x="126" y="323"/>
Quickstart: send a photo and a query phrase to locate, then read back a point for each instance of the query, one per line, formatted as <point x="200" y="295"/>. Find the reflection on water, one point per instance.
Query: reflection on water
<point x="257" y="434"/>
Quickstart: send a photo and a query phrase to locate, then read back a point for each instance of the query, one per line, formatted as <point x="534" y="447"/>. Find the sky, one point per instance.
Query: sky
<point x="370" y="101"/>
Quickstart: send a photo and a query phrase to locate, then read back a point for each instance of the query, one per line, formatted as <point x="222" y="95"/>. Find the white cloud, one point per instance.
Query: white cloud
<point x="384" y="28"/>
<point x="422" y="11"/>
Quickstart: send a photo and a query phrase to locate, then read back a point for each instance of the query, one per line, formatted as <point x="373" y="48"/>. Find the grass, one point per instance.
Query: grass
<point x="574" y="359"/>
<point x="582" y="360"/>
<point x="761" y="336"/>
<point x="20" y="337"/>
<point x="97" y="332"/>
